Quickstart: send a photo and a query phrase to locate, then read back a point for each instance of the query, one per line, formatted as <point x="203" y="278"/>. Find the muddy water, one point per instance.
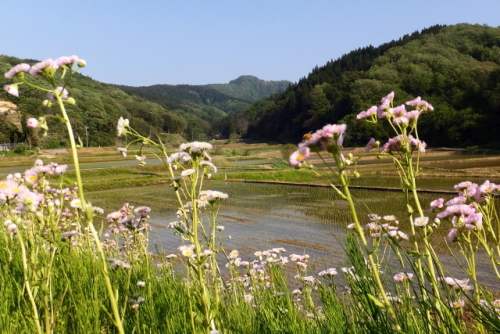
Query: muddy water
<point x="259" y="217"/>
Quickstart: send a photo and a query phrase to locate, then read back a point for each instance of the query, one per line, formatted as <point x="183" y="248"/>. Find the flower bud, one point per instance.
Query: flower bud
<point x="47" y="103"/>
<point x="81" y="63"/>
<point x="71" y="101"/>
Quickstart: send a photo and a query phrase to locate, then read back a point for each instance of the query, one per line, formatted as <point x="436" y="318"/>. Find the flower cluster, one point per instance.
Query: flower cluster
<point x="330" y="137"/>
<point x="45" y="69"/>
<point x="464" y="209"/>
<point x="386" y="226"/>
<point x="132" y="218"/>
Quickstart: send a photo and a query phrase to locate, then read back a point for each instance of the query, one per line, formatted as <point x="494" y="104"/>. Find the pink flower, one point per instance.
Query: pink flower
<point x="399" y="111"/>
<point x="462" y="185"/>
<point x="61" y="61"/>
<point x="300" y="155"/>
<point x="425" y="106"/>
<point x="370" y="145"/>
<point x="32" y="122"/>
<point x="12" y="89"/>
<point x="368" y="113"/>
<point x="402" y="276"/>
<point x="389" y="97"/>
<point x="331" y="129"/>
<point x="16" y="69"/>
<point x="37" y="69"/>
<point x="456" y="201"/>
<point x="414" y="102"/>
<point x="487" y="187"/>
<point x="437" y="203"/>
<point x="450" y="237"/>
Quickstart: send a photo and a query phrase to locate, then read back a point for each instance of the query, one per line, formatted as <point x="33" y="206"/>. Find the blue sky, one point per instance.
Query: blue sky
<point x="140" y="43"/>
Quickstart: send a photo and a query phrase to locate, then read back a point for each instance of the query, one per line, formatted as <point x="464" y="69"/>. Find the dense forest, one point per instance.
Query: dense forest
<point x="456" y="68"/>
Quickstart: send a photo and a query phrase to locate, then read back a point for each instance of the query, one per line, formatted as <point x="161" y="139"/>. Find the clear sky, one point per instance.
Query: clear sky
<point x="140" y="43"/>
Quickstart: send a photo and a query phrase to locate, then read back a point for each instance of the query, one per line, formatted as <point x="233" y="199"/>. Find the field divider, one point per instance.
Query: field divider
<point x="328" y="186"/>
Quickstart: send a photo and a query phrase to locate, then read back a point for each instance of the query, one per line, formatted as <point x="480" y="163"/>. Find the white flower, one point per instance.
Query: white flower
<point x="123" y="151"/>
<point x="76" y="203"/>
<point x="234" y="254"/>
<point x="187" y="250"/>
<point x="195" y="146"/>
<point x="188" y="172"/>
<point x="421" y="221"/>
<point x="122" y="124"/>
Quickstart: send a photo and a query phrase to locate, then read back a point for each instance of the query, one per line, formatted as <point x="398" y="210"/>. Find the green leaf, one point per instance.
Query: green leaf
<point x="376" y="301"/>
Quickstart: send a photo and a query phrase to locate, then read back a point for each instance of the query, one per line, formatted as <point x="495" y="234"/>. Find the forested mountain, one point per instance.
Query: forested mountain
<point x="456" y="68"/>
<point x="250" y="88"/>
<point x="209" y="102"/>
<point x="98" y="106"/>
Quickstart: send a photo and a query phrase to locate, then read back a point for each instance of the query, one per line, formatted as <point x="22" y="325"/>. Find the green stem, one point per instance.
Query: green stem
<point x="359" y="229"/>
<point x="28" y="286"/>
<point x="113" y="301"/>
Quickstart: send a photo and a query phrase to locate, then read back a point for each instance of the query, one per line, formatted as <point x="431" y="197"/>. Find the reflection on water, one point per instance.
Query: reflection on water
<point x="301" y="219"/>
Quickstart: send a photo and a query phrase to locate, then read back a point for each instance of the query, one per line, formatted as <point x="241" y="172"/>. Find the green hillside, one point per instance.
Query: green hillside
<point x="250" y="88"/>
<point x="98" y="106"/>
<point x="209" y="102"/>
<point x="456" y="68"/>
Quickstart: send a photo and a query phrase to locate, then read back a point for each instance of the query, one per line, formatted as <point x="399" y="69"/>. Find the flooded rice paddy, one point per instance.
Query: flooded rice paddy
<point x="302" y="219"/>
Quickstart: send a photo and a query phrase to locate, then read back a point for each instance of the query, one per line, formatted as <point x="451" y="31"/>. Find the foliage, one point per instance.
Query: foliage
<point x="456" y="67"/>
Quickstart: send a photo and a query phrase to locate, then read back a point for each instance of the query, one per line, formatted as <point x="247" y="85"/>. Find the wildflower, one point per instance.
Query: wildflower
<point x="76" y="203"/>
<point x="195" y="147"/>
<point x="234" y="254"/>
<point x="212" y="195"/>
<point x="59" y="169"/>
<point x="46" y="67"/>
<point x="62" y="92"/>
<point x="98" y="210"/>
<point x="118" y="263"/>
<point x="142" y="211"/>
<point x="64" y="61"/>
<point x="402" y="276"/>
<point x="187" y="250"/>
<point x="300" y="155"/>
<point x="179" y="156"/>
<point x="220" y="227"/>
<point x="188" y="172"/>
<point x="368" y="113"/>
<point x="414" y="102"/>
<point x="141" y="283"/>
<point x="248" y="298"/>
<point x="123" y="151"/>
<point x="115" y="215"/>
<point x="371" y="144"/>
<point x="12" y="227"/>
<point x="421" y="221"/>
<point x="210" y="165"/>
<point x="30" y="176"/>
<point x="487" y="187"/>
<point x="122" y="124"/>
<point x="389" y="218"/>
<point x="141" y="159"/>
<point x="462" y="185"/>
<point x="17" y="69"/>
<point x="12" y="89"/>
<point x="457" y="304"/>
<point x="328" y="272"/>
<point x="456" y="201"/>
